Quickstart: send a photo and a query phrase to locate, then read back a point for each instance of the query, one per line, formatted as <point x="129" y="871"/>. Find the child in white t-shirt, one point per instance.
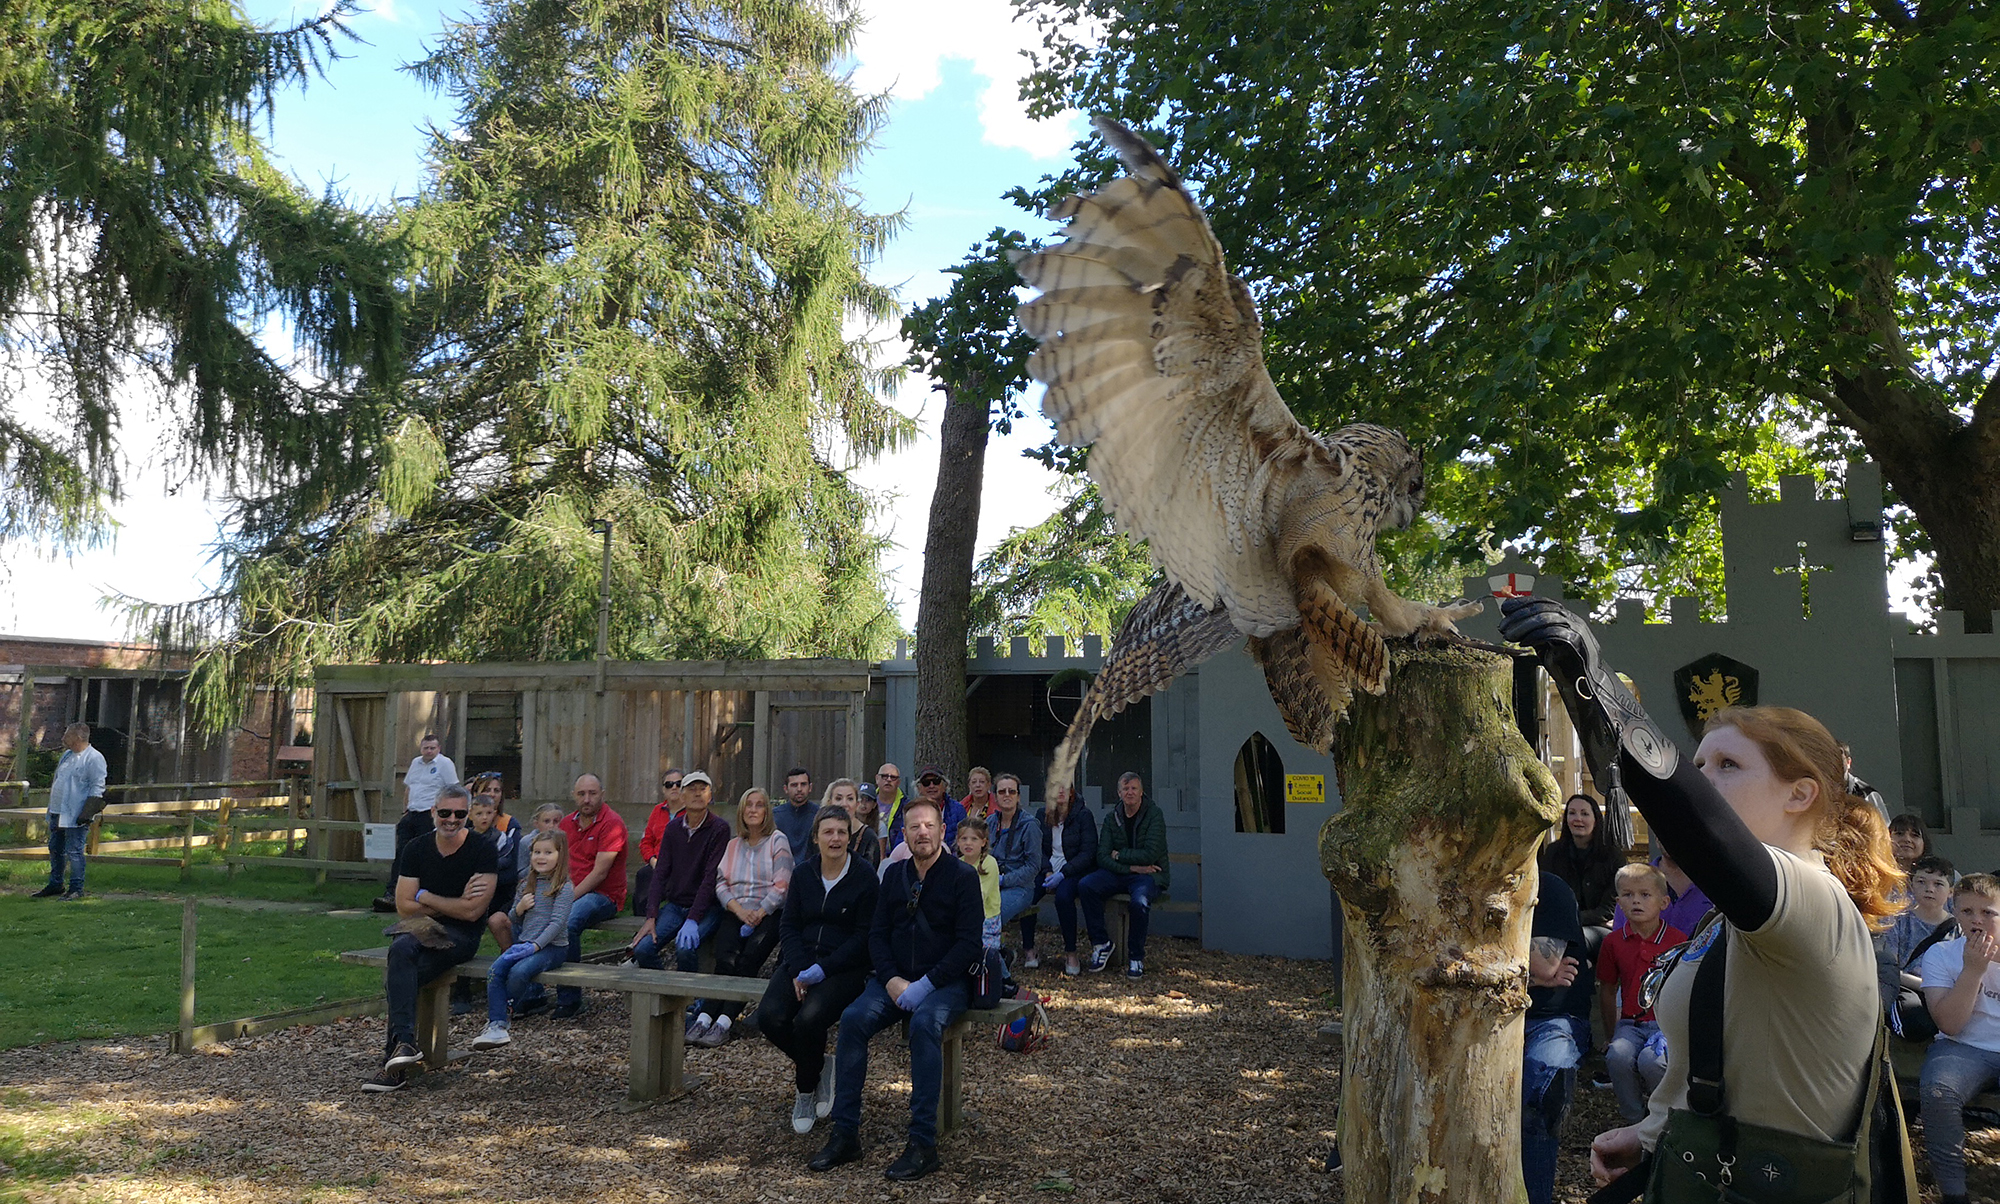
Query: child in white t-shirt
<point x="1962" y="987"/>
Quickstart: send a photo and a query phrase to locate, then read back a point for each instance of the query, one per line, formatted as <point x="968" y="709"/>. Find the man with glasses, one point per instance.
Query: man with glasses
<point x="597" y="842"/>
<point x="680" y="904"/>
<point x="889" y="798"/>
<point x="446" y="877"/>
<point x="924" y="942"/>
<point x="663" y="814"/>
<point x="931" y="788"/>
<point x="429" y="773"/>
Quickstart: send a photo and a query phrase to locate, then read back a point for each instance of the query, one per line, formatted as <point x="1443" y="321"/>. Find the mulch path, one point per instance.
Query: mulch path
<point x="1204" y="1081"/>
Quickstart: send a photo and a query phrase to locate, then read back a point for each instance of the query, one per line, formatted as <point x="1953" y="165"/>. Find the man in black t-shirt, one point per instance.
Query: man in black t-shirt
<point x="449" y="877"/>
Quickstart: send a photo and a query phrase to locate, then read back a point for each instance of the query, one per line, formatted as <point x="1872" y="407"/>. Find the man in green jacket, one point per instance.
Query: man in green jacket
<point x="1132" y="859"/>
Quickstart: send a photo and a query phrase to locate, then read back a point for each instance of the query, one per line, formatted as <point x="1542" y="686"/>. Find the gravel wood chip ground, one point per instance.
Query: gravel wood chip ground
<point x="1203" y="1081"/>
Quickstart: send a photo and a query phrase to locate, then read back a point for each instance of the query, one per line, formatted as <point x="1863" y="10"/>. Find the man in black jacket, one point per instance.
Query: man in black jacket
<point x="924" y="942"/>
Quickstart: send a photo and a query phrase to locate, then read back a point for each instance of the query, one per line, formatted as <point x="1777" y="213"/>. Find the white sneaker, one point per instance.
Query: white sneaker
<point x="493" y="1037"/>
<point x="823" y="1094"/>
<point x="802" y="1113"/>
<point x="1032" y="960"/>
<point x="697" y="1029"/>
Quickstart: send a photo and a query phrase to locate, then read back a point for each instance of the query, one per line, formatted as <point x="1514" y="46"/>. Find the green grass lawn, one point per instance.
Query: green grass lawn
<point x="111" y="967"/>
<point x="208" y="878"/>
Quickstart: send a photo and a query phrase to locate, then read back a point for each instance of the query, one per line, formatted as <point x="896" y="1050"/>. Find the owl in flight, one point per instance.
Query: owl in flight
<point x="1152" y="354"/>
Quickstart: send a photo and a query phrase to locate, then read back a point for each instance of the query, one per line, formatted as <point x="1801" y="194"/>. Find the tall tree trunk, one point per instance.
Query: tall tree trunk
<point x="947" y="590"/>
<point x="1433" y="857"/>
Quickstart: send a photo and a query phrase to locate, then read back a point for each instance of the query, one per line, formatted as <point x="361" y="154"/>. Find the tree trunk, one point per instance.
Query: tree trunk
<point x="1433" y="857"/>
<point x="947" y="590"/>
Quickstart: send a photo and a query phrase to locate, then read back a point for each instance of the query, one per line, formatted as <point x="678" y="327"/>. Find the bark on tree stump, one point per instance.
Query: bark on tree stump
<point x="1433" y="858"/>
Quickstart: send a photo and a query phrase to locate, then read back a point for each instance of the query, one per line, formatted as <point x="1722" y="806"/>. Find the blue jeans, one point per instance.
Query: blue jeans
<point x="588" y="911"/>
<point x="1551" y="1050"/>
<point x="870" y="1014"/>
<point x="508" y="979"/>
<point x="1099" y="885"/>
<point x="666" y="926"/>
<point x="1953" y="1074"/>
<point x="1015" y="900"/>
<point x="1634" y="1068"/>
<point x="66" y="845"/>
<point x="1065" y="893"/>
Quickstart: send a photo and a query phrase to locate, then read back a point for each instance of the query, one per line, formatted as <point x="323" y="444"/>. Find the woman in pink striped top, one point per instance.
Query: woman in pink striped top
<point x="750" y="885"/>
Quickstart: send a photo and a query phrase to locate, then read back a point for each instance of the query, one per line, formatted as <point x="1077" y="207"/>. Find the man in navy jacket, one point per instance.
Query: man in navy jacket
<point x="924" y="943"/>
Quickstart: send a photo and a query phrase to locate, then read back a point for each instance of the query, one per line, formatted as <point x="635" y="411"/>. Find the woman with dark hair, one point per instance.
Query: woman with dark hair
<point x="823" y="959"/>
<point x="1909" y="839"/>
<point x="1585" y="857"/>
<point x="1776" y="998"/>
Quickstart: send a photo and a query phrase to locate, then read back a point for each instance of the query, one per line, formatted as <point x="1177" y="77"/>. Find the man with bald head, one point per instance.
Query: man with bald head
<point x="597" y="840"/>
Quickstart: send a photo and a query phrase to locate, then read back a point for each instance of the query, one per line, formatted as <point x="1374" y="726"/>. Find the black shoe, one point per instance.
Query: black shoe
<point x="405" y="1054"/>
<point x="73" y="894"/>
<point x="389" y="1079"/>
<point x="841" y="1148"/>
<point x="386" y="904"/>
<point x="533" y="1006"/>
<point x="47" y="892"/>
<point x="917" y="1161"/>
<point x="567" y="1011"/>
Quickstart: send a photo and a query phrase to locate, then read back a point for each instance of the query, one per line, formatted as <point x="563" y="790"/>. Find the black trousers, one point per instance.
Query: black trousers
<point x="743" y="956"/>
<point x="411" y="965"/>
<point x="798" y="1027"/>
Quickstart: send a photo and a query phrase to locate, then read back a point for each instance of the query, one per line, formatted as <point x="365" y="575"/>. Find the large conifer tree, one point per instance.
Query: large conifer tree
<point x="637" y="267"/>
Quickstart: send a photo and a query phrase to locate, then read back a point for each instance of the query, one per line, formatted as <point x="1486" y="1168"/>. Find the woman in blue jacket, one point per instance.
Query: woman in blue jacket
<point x="823" y="959"/>
<point x="1069" y="851"/>
<point x="1016" y="840"/>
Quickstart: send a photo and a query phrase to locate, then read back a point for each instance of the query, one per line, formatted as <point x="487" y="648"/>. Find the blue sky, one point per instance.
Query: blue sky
<point x="956" y="139"/>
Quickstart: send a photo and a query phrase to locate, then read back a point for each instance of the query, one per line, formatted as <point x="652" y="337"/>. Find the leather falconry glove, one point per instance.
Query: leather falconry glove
<point x="1606" y="715"/>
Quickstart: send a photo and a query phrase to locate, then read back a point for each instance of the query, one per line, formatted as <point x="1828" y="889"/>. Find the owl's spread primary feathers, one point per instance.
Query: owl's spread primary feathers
<point x="1152" y="354"/>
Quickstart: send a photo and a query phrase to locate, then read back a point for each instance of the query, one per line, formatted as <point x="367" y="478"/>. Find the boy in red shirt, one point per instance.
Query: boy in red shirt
<point x="1635" y="1058"/>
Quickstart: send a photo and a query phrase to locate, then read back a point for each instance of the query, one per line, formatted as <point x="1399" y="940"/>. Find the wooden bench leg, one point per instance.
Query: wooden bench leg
<point x="659" y="1051"/>
<point x="434" y="1021"/>
<point x="1117" y="926"/>
<point x="951" y="1094"/>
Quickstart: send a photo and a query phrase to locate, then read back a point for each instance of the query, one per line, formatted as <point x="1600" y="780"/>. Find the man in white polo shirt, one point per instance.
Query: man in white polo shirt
<point x="429" y="773"/>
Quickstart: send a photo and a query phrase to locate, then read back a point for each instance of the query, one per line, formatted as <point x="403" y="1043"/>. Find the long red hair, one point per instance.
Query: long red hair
<point x="1847" y="831"/>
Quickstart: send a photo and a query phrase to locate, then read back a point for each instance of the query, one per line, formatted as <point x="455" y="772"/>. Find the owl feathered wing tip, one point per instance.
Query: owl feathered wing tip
<point x="1135" y="152"/>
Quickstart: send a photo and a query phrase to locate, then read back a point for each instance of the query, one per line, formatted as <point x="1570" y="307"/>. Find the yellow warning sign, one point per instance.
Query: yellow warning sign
<point x="1305" y="787"/>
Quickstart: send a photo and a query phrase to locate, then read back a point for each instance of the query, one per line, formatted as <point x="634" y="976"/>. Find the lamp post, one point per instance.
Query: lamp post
<point x="602" y="743"/>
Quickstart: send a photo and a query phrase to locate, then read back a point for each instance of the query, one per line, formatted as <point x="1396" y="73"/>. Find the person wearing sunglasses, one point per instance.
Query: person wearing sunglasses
<point x="1016" y="840"/>
<point x="429" y="772"/>
<point x="663" y="814"/>
<point x="923" y="942"/>
<point x="933" y="789"/>
<point x="449" y="877"/>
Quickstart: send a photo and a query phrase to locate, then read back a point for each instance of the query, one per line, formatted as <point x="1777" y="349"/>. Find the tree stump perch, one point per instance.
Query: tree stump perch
<point x="1432" y="855"/>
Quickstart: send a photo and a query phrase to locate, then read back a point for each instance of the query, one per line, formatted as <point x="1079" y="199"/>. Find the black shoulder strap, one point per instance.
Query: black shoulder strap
<point x="1704" y="1093"/>
<point x="1946" y="929"/>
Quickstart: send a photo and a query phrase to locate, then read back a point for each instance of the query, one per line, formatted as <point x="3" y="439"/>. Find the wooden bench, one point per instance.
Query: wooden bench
<point x="656" y="1068"/>
<point x="1118" y="913"/>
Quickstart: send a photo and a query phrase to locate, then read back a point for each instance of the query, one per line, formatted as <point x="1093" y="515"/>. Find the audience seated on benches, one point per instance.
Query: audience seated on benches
<point x="823" y="960"/>
<point x="443" y="882"/>
<point x="1069" y="851"/>
<point x="1961" y="985"/>
<point x="683" y="909"/>
<point x="597" y="842"/>
<point x="1132" y="859"/>
<point x="540" y="916"/>
<point x="750" y="884"/>
<point x="924" y="942"/>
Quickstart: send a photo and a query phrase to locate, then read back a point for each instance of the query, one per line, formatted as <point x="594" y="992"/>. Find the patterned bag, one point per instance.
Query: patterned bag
<point x="1026" y="1034"/>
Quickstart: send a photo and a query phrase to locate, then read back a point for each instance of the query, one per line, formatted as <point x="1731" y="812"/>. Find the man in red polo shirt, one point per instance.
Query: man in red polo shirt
<point x="597" y="840"/>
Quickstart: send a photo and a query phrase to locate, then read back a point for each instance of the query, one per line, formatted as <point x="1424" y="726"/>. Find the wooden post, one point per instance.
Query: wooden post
<point x="187" y="842"/>
<point x="24" y="740"/>
<point x="760" y="738"/>
<point x="187" y="975"/>
<point x="1433" y="858"/>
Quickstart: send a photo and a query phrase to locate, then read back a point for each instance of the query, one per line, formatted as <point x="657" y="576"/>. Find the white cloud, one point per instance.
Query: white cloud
<point x="903" y="44"/>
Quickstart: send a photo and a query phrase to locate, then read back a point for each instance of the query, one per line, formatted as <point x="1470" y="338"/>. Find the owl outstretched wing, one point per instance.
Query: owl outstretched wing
<point x="1152" y="355"/>
<point x="1166" y="634"/>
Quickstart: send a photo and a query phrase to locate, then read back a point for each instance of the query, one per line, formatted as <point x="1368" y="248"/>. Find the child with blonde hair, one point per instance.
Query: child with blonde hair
<point x="539" y="919"/>
<point x="974" y="849"/>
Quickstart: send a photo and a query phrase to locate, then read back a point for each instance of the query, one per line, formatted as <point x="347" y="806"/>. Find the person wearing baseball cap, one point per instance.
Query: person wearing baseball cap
<point x="682" y="906"/>
<point x="931" y="786"/>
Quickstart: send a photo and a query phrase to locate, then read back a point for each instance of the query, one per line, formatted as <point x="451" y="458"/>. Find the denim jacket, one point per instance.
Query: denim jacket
<point x="1018" y="850"/>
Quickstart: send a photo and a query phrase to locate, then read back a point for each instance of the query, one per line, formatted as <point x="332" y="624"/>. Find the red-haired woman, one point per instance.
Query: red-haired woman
<point x="1800" y="871"/>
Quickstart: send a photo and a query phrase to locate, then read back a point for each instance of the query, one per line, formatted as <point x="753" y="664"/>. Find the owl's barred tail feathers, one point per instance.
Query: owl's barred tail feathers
<point x="1347" y="653"/>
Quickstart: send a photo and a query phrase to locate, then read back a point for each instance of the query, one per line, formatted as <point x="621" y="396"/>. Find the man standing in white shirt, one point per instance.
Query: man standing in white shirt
<point x="79" y="779"/>
<point x="429" y="773"/>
